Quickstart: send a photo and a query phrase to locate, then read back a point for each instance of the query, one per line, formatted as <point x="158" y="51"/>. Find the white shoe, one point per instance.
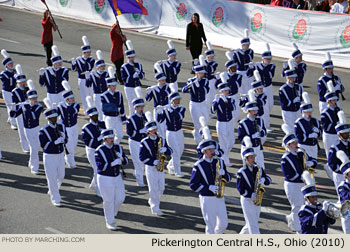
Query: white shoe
<point x="229" y="164"/>
<point x="13" y="127"/>
<point x="269" y="130"/>
<point x="157" y="212"/>
<point x="290" y="223"/>
<point x="111" y="227"/>
<point x="34" y="172"/>
<point x="140" y="184"/>
<point x="179" y="175"/>
<point x="25" y="151"/>
<point x="56" y="204"/>
<point x="171" y="171"/>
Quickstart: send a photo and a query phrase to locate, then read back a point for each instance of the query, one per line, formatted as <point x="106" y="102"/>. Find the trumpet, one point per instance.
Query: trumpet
<point x="336" y="211"/>
<point x="220" y="181"/>
<point x="259" y="190"/>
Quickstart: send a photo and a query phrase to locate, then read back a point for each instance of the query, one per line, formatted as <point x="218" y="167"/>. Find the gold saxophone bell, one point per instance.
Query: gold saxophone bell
<point x="220" y="181"/>
<point x="309" y="169"/>
<point x="160" y="156"/>
<point x="259" y="190"/>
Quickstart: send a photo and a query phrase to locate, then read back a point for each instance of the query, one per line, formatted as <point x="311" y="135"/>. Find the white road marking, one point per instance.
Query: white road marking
<point x="52" y="230"/>
<point x="12" y="41"/>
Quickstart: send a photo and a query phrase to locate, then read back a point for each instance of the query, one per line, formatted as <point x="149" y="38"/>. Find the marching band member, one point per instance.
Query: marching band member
<point x="97" y="80"/>
<point x="312" y="215"/>
<point x="171" y="66"/>
<point x="211" y="66"/>
<point x="293" y="171"/>
<point x="113" y="107"/>
<point x="252" y="126"/>
<point x="307" y="128"/>
<point x="83" y="65"/>
<point x="31" y="112"/>
<point x="91" y="136"/>
<point x="8" y="79"/>
<point x="53" y="138"/>
<point x="52" y="77"/>
<point x="205" y="177"/>
<point x="290" y="94"/>
<point x="206" y="135"/>
<point x="343" y="144"/>
<point x="132" y="73"/>
<point x="248" y="183"/>
<point x="68" y="111"/>
<point x="344" y="193"/>
<point x="19" y="96"/>
<point x="151" y="148"/>
<point x="223" y="106"/>
<point x="159" y="93"/>
<point x="109" y="158"/>
<point x="298" y="64"/>
<point x="198" y="87"/>
<point x="329" y="119"/>
<point x="173" y="114"/>
<point x="322" y="86"/>
<point x="135" y="128"/>
<point x="243" y="56"/>
<point x="267" y="72"/>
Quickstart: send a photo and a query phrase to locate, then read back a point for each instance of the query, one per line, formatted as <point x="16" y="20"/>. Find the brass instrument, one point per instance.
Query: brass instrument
<point x="336" y="211"/>
<point x="259" y="190"/>
<point x="160" y="156"/>
<point x="306" y="168"/>
<point x="220" y="181"/>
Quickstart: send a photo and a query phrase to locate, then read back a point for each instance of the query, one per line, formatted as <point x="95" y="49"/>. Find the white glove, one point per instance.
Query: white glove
<point x="253" y="196"/>
<point x="313" y="135"/>
<point x="73" y="61"/>
<point x="217" y="153"/>
<point x="261" y="181"/>
<point x="325" y="205"/>
<point x="135" y="75"/>
<point x="251" y="65"/>
<point x="59" y="140"/>
<point x="87" y="75"/>
<point x="296" y="99"/>
<point x="156" y="162"/>
<point x="116" y="162"/>
<point x="213" y="188"/>
<point x="143" y="131"/>
<point x="196" y="83"/>
<point x="41" y="71"/>
<point x="309" y="163"/>
<point x="223" y="97"/>
<point x="170" y="109"/>
<point x="316" y="130"/>
<point x="337" y="88"/>
<point x="162" y="150"/>
<point x="255" y="135"/>
<point x="221" y="172"/>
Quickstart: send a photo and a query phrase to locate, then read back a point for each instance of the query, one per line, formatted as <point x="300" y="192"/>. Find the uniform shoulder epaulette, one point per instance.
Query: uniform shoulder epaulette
<point x="241" y="169"/>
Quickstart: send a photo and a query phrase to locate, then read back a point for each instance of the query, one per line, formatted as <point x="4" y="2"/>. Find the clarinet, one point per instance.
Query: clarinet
<point x="257" y="128"/>
<point x="59" y="133"/>
<point x="115" y="156"/>
<point x="312" y="126"/>
<point x="338" y="91"/>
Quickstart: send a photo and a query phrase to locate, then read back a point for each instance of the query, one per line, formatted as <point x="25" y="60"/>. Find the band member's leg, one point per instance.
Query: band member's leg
<point x="296" y="200"/>
<point x="119" y="195"/>
<point x="105" y="183"/>
<point x="83" y="93"/>
<point x="208" y="212"/>
<point x="8" y="100"/>
<point x="51" y="167"/>
<point x="250" y="216"/>
<point x="98" y="104"/>
<point x="139" y="168"/>
<point x="22" y="137"/>
<point x="222" y="219"/>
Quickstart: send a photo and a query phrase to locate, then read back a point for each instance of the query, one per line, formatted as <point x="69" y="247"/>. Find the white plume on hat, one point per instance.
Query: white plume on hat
<point x="129" y="45"/>
<point x="229" y="55"/>
<point x="99" y="55"/>
<point x="268" y="47"/>
<point x="172" y="87"/>
<point x="48" y="103"/>
<point x="138" y="92"/>
<point x="247" y="142"/>
<point x="342" y="156"/>
<point x="341" y="116"/>
<point x="85" y="40"/>
<point x="18" y="69"/>
<point x="55" y="50"/>
<point x="202" y="60"/>
<point x="158" y="67"/>
<point x="89" y="101"/>
<point x="287" y="129"/>
<point x="291" y="64"/>
<point x="257" y="75"/>
<point x="295" y="46"/>
<point x="66" y="85"/>
<point x="209" y="46"/>
<point x="111" y="71"/>
<point x="307" y="178"/>
<point x="251" y="95"/>
<point x="4" y="53"/>
<point x="170" y="44"/>
<point x="246" y="33"/>
<point x="223" y="77"/>
<point x="330" y="86"/>
<point x="328" y="56"/>
<point x="149" y="116"/>
<point x="306" y="98"/>
<point x="30" y="85"/>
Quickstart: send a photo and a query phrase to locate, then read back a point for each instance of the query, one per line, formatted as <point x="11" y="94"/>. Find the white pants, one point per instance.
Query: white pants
<point x="115" y="123"/>
<point x="139" y="167"/>
<point x="0" y="154"/>
<point x="251" y="214"/>
<point x="8" y="100"/>
<point x="54" y="171"/>
<point x="176" y="86"/>
<point x="246" y="83"/>
<point x="32" y="136"/>
<point x="328" y="141"/>
<point x="259" y="158"/>
<point x="84" y="92"/>
<point x="268" y="106"/>
<point x="130" y="95"/>
<point x="22" y="137"/>
<point x="337" y="179"/>
<point x="289" y="117"/>
<point x="55" y="98"/>
<point x="296" y="200"/>
<point x="237" y="112"/>
<point x="214" y="214"/>
<point x="198" y="109"/>
<point x="98" y="104"/>
<point x="161" y="126"/>
<point x="211" y="94"/>
<point x="156" y="186"/>
<point x="311" y="151"/>
<point x="90" y="154"/>
<point x="175" y="140"/>
<point x="345" y="224"/>
<point x="113" y="194"/>
<point x="225" y="131"/>
<point x="73" y="134"/>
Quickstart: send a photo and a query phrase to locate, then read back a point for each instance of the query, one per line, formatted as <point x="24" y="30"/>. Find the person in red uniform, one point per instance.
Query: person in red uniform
<point x="47" y="38"/>
<point x="117" y="54"/>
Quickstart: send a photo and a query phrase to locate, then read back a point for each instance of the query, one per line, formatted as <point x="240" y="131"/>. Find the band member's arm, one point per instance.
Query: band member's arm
<point x="227" y="175"/>
<point x="215" y="105"/>
<point x="250" y="71"/>
<point x="313" y="160"/>
<point x="87" y="136"/>
<point x="217" y="82"/>
<point x="242" y="186"/>
<point x="196" y="181"/>
<point x="168" y="149"/>
<point x="178" y="67"/>
<point x="187" y="87"/>
<point x="125" y="74"/>
<point x="310" y="222"/>
<point x="288" y="170"/>
<point x="333" y="161"/>
<point x="76" y="107"/>
<point x="284" y="68"/>
<point x="321" y="88"/>
<point x="267" y="178"/>
<point x="123" y="157"/>
<point x="273" y="68"/>
<point x="206" y="86"/>
<point x="63" y="131"/>
<point x="101" y="161"/>
<point x="149" y="94"/>
<point x="160" y="115"/>
<point x="218" y="151"/>
<point x="284" y="100"/>
<point x="74" y="65"/>
<point x="343" y="192"/>
<point x="144" y="154"/>
<point x="299" y="133"/>
<point x="45" y="142"/>
<point x="89" y="81"/>
<point x="239" y="80"/>
<point x="121" y="106"/>
<point x="42" y="80"/>
<point x="142" y="73"/>
<point x="303" y="67"/>
<point x="326" y="122"/>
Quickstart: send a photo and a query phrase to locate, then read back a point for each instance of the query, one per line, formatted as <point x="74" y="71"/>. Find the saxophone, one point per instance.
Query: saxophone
<point x="220" y="181"/>
<point x="306" y="168"/>
<point x="259" y="190"/>
<point x="160" y="156"/>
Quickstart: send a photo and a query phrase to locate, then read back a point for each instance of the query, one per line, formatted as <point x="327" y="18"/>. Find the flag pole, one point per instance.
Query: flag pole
<point x="121" y="32"/>
<point x="58" y="30"/>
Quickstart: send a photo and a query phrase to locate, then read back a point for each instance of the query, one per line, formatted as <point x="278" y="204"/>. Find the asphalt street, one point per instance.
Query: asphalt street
<point x="24" y="204"/>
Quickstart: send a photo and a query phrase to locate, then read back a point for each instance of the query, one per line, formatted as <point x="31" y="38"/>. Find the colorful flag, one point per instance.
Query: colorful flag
<point x="120" y="7"/>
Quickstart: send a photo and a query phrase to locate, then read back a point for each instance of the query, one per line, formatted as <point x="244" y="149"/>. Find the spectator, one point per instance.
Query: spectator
<point x="323" y="6"/>
<point x="339" y="7"/>
<point x="297" y="4"/>
<point x="117" y="54"/>
<point x="47" y="38"/>
<point x="310" y="5"/>
<point x="286" y="3"/>
<point x="276" y="2"/>
<point x="194" y="35"/>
